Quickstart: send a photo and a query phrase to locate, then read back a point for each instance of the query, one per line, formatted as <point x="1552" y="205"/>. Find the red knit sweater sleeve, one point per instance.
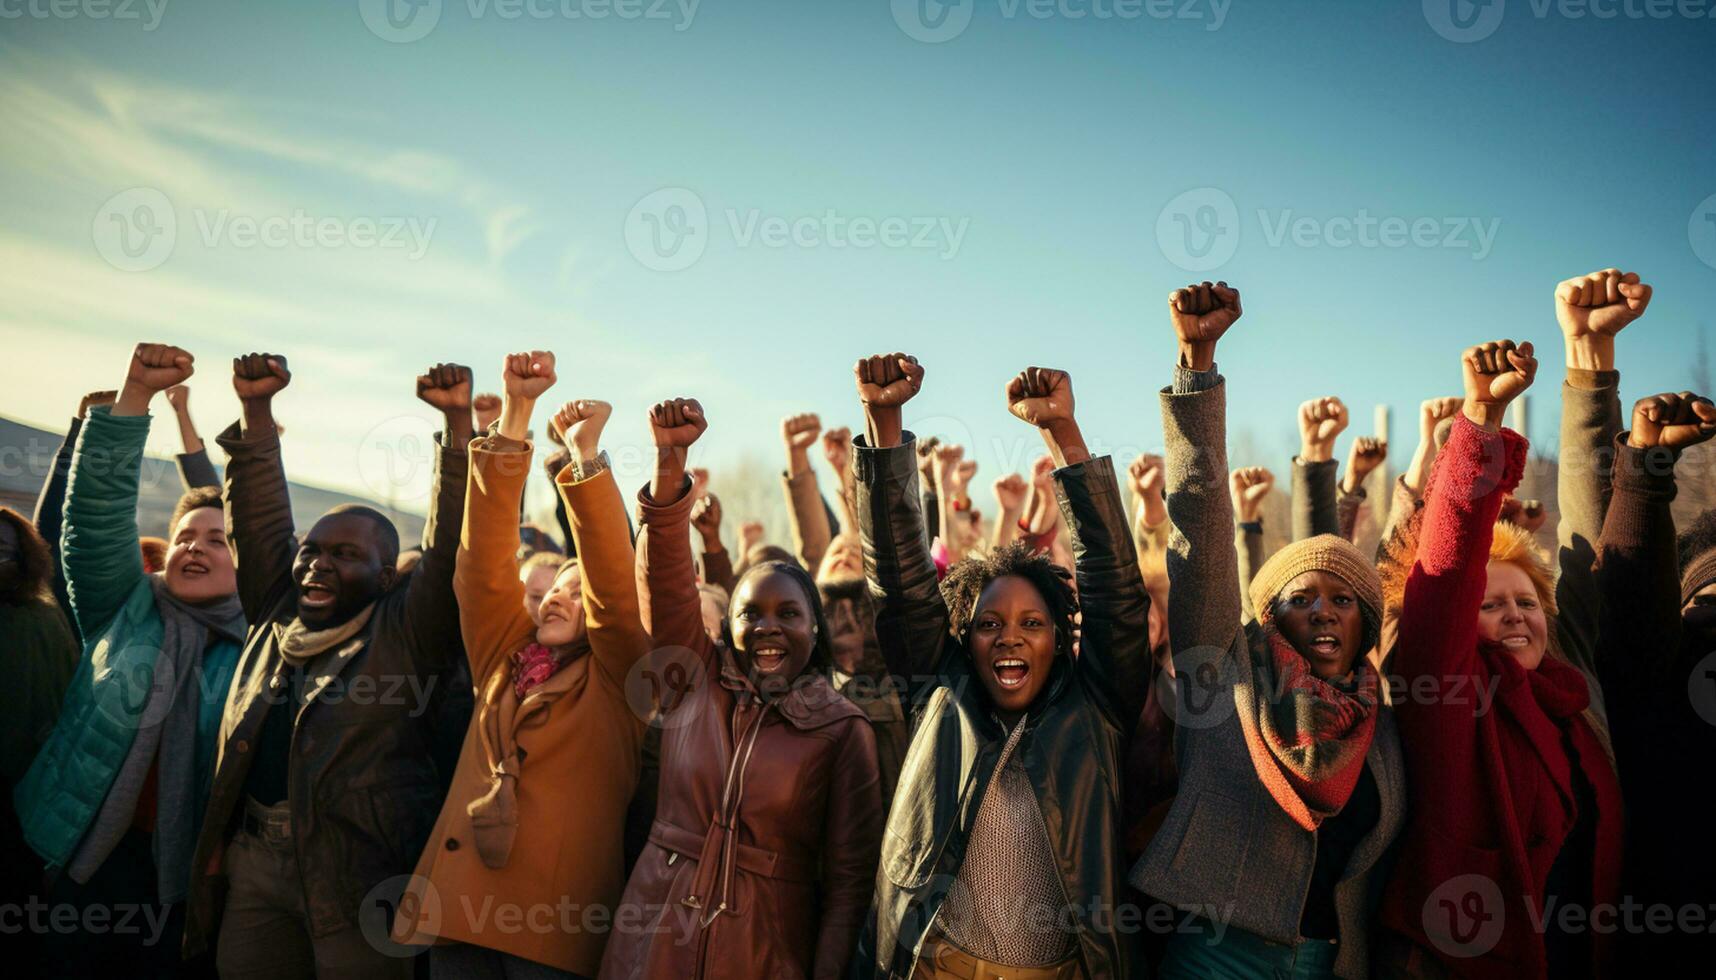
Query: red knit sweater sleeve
<point x="1437" y="654"/>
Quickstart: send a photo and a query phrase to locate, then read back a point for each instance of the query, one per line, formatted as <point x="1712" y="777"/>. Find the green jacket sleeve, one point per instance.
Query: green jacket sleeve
<point x="103" y="560"/>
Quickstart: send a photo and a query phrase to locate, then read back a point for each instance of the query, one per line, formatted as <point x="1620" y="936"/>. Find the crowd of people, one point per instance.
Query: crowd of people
<point x="1063" y="742"/>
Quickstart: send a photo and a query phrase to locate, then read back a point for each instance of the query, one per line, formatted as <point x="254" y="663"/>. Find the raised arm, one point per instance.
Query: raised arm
<point x="1591" y="310"/>
<point x="837" y="450"/>
<point x="431" y="611"/>
<point x="1203" y="572"/>
<point x="809" y="519"/>
<point x="1114" y="644"/>
<point x="1480" y="464"/>
<point x="1638" y="581"/>
<point x="1367" y="454"/>
<point x="945" y="462"/>
<point x="490" y="597"/>
<point x="1009" y="493"/>
<point x="604" y="539"/>
<point x="1314" y="512"/>
<point x="1247" y="488"/>
<point x="195" y="470"/>
<point x="49" y="517"/>
<point x="667" y="578"/>
<point x="258" y="504"/>
<point x="911" y="616"/>
<point x="717" y="564"/>
<point x="98" y="543"/>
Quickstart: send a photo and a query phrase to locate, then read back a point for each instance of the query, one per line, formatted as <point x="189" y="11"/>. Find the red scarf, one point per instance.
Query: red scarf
<point x="1308" y="738"/>
<point x="533" y="665"/>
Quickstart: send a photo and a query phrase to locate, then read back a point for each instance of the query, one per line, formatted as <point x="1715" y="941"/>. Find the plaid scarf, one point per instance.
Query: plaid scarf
<point x="1307" y="737"/>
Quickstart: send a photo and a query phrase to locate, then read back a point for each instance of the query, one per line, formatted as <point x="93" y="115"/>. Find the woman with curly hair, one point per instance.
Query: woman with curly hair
<point x="1002" y="855"/>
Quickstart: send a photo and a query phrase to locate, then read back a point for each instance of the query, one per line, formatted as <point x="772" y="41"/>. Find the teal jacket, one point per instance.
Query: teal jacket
<point x="115" y="608"/>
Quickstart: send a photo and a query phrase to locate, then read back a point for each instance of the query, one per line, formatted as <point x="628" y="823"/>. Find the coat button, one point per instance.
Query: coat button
<point x="452" y="843"/>
<point x="242" y="746"/>
<point x="276" y="682"/>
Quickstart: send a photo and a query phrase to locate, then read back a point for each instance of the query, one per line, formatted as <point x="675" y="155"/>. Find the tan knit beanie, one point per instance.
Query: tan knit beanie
<point x="1327" y="553"/>
<point x="1701" y="571"/>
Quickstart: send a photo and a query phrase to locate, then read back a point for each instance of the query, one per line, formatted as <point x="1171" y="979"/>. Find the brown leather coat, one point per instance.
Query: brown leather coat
<point x="363" y="786"/>
<point x="763" y="850"/>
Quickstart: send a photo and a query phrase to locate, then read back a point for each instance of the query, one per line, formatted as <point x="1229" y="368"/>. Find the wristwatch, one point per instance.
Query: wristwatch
<point x="583" y="469"/>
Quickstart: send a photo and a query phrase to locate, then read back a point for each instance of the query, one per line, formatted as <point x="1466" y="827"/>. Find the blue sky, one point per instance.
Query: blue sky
<point x="832" y="184"/>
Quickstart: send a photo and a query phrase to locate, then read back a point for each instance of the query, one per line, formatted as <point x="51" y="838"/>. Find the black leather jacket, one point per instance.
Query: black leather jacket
<point x="1074" y="746"/>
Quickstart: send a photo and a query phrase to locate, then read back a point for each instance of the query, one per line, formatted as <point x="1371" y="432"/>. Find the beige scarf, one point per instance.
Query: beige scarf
<point x="299" y="644"/>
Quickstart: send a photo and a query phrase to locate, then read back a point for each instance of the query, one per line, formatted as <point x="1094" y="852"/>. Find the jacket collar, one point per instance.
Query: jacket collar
<point x="812" y="702"/>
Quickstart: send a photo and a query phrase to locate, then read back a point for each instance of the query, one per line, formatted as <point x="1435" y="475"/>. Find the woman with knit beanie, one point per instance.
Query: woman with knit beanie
<point x="1516" y="807"/>
<point x="533" y="822"/>
<point x="1291" y="783"/>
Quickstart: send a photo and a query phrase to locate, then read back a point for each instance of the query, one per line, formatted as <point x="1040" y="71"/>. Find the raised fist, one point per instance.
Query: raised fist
<point x="1040" y="396"/>
<point x="946" y="460"/>
<point x="926" y="456"/>
<point x="1600" y="304"/>
<point x="1528" y="514"/>
<point x="1320" y="421"/>
<point x="1367" y="453"/>
<point x="527" y="374"/>
<point x="1433" y="411"/>
<point x="676" y="423"/>
<point x="157" y="367"/>
<point x="800" y="431"/>
<point x="837" y="448"/>
<point x="1009" y="493"/>
<point x="259" y="376"/>
<point x="106" y="396"/>
<point x="706" y="516"/>
<point x="1203" y="312"/>
<point x="1043" y="475"/>
<point x="963" y="473"/>
<point x="750" y="535"/>
<point x="1147" y="475"/>
<point x="888" y="380"/>
<point x="580" y="423"/>
<point x="179" y="396"/>
<point x="1672" y="421"/>
<point x="446" y="388"/>
<point x="699" y="481"/>
<point x="487" y="407"/>
<point x="1496" y="373"/>
<point x="1248" y="485"/>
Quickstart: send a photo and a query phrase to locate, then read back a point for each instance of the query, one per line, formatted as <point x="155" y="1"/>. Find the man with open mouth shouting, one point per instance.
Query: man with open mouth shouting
<point x="326" y="786"/>
<point x="1002" y="854"/>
